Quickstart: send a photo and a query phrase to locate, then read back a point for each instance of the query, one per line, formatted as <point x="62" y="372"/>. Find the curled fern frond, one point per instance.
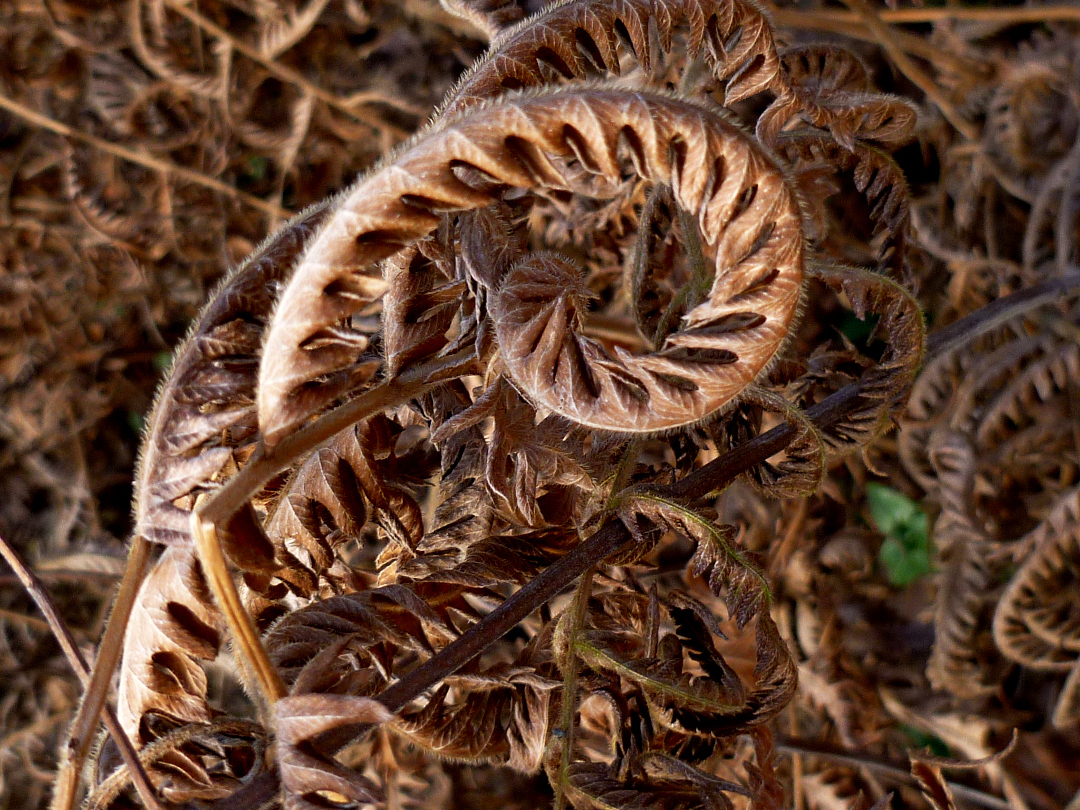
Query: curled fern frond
<point x="174" y="629"/>
<point x="500" y="715"/>
<point x="802" y="469"/>
<point x="203" y="422"/>
<point x="829" y="87"/>
<point x="1031" y="122"/>
<point x="1036" y="623"/>
<point x="877" y="178"/>
<point x="717" y="173"/>
<point x="959" y="662"/>
<point x="574" y="38"/>
<point x="900" y="325"/>
<point x="196" y="761"/>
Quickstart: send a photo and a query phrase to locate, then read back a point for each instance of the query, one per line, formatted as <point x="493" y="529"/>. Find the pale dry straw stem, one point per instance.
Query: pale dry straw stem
<point x="215" y="510"/>
<point x="287" y="74"/>
<point x="81" y="733"/>
<point x="141" y="158"/>
<point x="258" y="671"/>
<point x="902" y="16"/>
<point x="67" y="780"/>
<point x="886" y="39"/>
<point x="20" y="618"/>
<point x="849" y="25"/>
<point x="796" y="748"/>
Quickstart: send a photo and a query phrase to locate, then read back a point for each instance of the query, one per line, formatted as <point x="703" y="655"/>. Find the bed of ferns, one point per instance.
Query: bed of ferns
<point x="681" y="410"/>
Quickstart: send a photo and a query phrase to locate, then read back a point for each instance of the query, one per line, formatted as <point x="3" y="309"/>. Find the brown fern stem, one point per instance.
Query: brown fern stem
<point x="994" y="314"/>
<point x="612" y="536"/>
<point x="81" y="734"/>
<point x="712" y="477"/>
<point x="68" y="785"/>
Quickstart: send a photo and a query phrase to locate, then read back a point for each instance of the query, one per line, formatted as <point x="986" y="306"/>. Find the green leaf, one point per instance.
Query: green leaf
<point x="256" y="167"/>
<point x="930" y="742"/>
<point x="905" y="554"/>
<point x="135" y="422"/>
<point x="162" y="360"/>
<point x="903" y="566"/>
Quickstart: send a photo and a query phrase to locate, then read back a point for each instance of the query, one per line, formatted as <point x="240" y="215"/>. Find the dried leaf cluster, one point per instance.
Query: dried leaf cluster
<point x="531" y="467"/>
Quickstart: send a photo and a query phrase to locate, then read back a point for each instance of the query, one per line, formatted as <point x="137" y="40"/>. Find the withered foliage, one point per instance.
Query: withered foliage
<point x="531" y="466"/>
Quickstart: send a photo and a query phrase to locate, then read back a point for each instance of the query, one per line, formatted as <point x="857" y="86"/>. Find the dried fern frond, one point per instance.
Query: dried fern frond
<point x="829" y="88"/>
<point x="574" y="38"/>
<point x="307" y="777"/>
<point x="174" y="629"/>
<point x="601" y="286"/>
<point x="1036" y="623"/>
<point x="876" y="177"/>
<point x="500" y="715"/>
<point x="887" y="383"/>
<point x="958" y="662"/>
<point x="494" y="141"/>
<point x="203" y="418"/>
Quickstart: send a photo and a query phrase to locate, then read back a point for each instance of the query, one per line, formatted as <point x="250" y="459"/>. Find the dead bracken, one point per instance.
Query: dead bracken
<point x="546" y="442"/>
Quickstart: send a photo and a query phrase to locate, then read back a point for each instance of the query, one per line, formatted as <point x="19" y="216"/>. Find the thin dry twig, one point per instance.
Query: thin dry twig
<point x="149" y="161"/>
<point x="81" y="733"/>
<point x="67" y="785"/>
<point x="887" y="40"/>
<point x="347" y="104"/>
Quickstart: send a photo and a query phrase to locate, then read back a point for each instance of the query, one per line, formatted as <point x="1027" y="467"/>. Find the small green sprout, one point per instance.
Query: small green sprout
<point x="905" y="554"/>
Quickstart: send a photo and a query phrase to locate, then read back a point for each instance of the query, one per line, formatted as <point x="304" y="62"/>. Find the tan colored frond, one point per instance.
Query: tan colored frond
<point x="876" y="176"/>
<point x="203" y="422"/>
<point x="174" y="629"/>
<point x="743" y="204"/>
<point x="1037" y="622"/>
<point x="422" y="299"/>
<point x="960" y="661"/>
<point x="497" y="716"/>
<point x="829" y="87"/>
<point x="576" y="38"/>
<point x="306" y="776"/>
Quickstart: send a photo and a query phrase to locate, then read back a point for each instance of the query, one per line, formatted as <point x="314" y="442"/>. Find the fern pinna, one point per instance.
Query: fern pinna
<point x="418" y="449"/>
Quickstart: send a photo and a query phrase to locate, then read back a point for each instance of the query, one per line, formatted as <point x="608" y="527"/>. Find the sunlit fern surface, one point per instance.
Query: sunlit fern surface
<point x="488" y="287"/>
